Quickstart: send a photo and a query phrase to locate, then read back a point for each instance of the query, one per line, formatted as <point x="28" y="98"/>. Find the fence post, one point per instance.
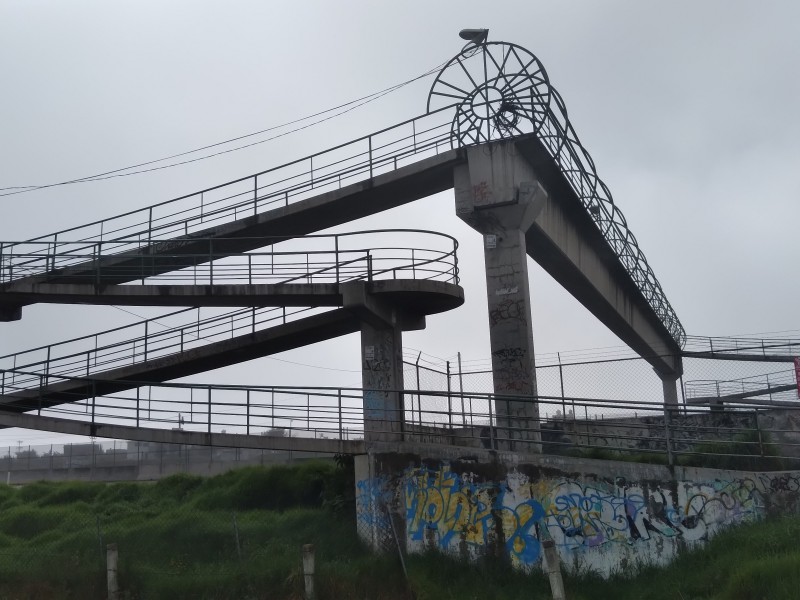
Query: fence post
<point x="491" y="426"/>
<point x="308" y="571"/>
<point x="554" y="570"/>
<point x="449" y="402"/>
<point x="419" y="397"/>
<point x="340" y="413"/>
<point x="209" y="409"/>
<point x="668" y="435"/>
<point x="336" y="257"/>
<point x="112" y="557"/>
<point x="461" y="389"/>
<point x="561" y="380"/>
<point x="370" y="157"/>
<point x="255" y="195"/>
<point x="760" y="438"/>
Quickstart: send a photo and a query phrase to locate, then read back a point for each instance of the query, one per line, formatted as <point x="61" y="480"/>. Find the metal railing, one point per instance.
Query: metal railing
<point x="362" y="255"/>
<point x="331" y="169"/>
<point x="742" y="346"/>
<point x="756" y="385"/>
<point x="339" y="259"/>
<point x="148" y="340"/>
<point x="639" y="431"/>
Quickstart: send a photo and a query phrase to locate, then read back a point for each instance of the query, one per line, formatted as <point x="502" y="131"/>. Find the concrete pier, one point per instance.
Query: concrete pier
<point x="500" y="198"/>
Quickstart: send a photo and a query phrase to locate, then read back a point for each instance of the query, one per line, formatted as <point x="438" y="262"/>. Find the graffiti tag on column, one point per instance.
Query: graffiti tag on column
<point x="375" y="405"/>
<point x="511" y="369"/>
<point x="377" y="365"/>
<point x="481" y="194"/>
<point x="508" y="310"/>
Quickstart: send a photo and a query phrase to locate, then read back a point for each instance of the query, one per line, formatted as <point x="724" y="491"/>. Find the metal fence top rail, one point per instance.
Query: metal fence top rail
<point x="406" y="249"/>
<point x="773" y="346"/>
<point x="358" y="392"/>
<point x="299" y="161"/>
<point x="267" y="240"/>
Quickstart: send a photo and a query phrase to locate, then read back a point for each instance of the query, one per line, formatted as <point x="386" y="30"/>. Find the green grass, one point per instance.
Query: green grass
<point x="177" y="540"/>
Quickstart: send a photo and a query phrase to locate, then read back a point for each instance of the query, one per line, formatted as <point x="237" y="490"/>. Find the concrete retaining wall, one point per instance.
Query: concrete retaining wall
<point x="603" y="516"/>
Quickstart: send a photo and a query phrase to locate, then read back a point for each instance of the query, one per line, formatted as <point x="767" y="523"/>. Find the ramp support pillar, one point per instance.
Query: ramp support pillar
<point x="382" y="380"/>
<point x="497" y="196"/>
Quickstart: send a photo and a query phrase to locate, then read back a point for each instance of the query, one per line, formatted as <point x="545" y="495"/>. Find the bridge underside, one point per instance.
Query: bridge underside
<point x="560" y="235"/>
<point x="176" y="436"/>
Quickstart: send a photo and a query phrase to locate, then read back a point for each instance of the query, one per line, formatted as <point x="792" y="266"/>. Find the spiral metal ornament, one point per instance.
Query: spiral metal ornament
<point x="499" y="90"/>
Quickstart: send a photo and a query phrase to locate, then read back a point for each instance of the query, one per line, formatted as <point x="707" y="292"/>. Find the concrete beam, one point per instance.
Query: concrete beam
<point x="172" y="436"/>
<point x="568" y="245"/>
<point x="414" y="295"/>
<point x="10" y="313"/>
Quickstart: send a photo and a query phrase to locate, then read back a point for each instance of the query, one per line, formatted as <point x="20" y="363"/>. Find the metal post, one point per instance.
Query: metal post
<point x="461" y="390"/>
<point x="760" y="438"/>
<point x="336" y="251"/>
<point x="370" y="156"/>
<point x="210" y="263"/>
<point x="561" y="380"/>
<point x="491" y="426"/>
<point x="449" y="401"/>
<point x="255" y="195"/>
<point x="248" y="412"/>
<point x="339" y="394"/>
<point x="419" y="397"/>
<point x="209" y="409"/>
<point x="668" y="435"/>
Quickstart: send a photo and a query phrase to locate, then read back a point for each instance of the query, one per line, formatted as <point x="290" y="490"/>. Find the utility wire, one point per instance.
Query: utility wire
<point x="345" y="108"/>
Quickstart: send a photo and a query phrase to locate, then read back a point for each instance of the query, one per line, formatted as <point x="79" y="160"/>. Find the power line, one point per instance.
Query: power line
<point x="121" y="172"/>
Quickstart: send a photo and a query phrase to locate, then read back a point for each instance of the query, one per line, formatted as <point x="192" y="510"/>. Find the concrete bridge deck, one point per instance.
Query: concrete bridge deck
<point x="400" y="303"/>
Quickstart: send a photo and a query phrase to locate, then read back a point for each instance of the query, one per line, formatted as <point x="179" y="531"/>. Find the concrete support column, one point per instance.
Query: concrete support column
<point x="669" y="384"/>
<point x="511" y="338"/>
<point x="669" y="381"/>
<point x="382" y="377"/>
<point x="382" y="326"/>
<point x="498" y="195"/>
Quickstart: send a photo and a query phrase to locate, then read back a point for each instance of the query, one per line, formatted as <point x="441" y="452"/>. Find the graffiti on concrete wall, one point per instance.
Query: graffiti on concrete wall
<point x="458" y="513"/>
<point x="373" y="497"/>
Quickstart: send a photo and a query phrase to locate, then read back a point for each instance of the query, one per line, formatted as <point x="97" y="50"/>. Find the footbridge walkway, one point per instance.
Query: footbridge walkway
<point x="495" y="131"/>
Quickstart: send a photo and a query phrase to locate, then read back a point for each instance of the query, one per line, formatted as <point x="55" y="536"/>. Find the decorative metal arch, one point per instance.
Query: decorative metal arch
<point x="501" y="90"/>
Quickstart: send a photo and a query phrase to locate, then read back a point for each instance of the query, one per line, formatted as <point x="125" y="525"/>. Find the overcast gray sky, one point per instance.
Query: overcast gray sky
<point x="688" y="109"/>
